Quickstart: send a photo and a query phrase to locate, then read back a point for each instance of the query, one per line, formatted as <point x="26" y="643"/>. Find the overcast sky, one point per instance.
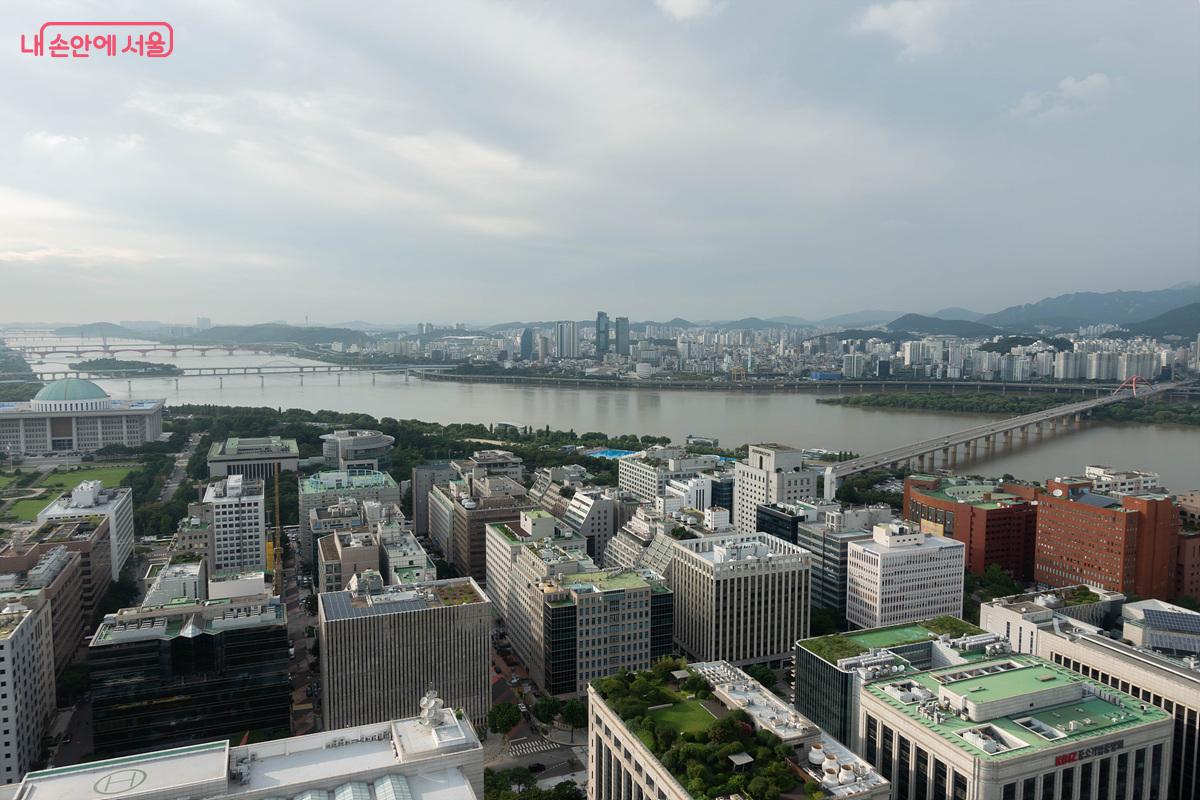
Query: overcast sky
<point x="472" y="161"/>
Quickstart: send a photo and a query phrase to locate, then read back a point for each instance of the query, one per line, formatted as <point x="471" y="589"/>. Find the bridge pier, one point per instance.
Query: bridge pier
<point x="221" y="382"/>
<point x="129" y="386"/>
<point x="921" y="462"/>
<point x="262" y="381"/>
<point x="945" y="456"/>
<point x="1078" y="420"/>
<point x="1024" y="433"/>
<point x="1039" y="430"/>
<point x="973" y="449"/>
<point x="177" y="384"/>
<point x="301" y="378"/>
<point x="1008" y="438"/>
<point x="339" y="377"/>
<point x="373" y="374"/>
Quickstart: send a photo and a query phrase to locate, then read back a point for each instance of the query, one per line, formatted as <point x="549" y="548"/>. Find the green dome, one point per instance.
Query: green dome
<point x="71" y="389"/>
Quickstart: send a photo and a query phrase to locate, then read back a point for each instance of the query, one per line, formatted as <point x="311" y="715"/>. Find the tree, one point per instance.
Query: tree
<point x="574" y="713"/>
<point x="310" y="604"/>
<point x="547" y="709"/>
<point x="763" y="674"/>
<point x="503" y="717"/>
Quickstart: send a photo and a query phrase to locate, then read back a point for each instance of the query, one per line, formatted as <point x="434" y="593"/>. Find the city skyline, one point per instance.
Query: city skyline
<point x="891" y="144"/>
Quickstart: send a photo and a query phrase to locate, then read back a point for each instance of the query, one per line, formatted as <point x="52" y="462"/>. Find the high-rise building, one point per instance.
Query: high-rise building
<point x="854" y="366"/>
<point x="770" y="473"/>
<point x="526" y="344"/>
<point x="622" y="335"/>
<point x="357" y="450"/>
<point x="646" y="474"/>
<point x="1101" y="366"/>
<point x="1107" y="479"/>
<point x="382" y="646"/>
<point x="27" y="653"/>
<point x="1141" y="365"/>
<point x="253" y="458"/>
<point x="1011" y="726"/>
<point x="460" y="511"/>
<point x="625" y="763"/>
<point x="566" y="339"/>
<point x="1125" y="543"/>
<point x="996" y="526"/>
<point x="602" y="340"/>
<point x="1070" y="365"/>
<point x="431" y="756"/>
<point x="902" y="575"/>
<point x="190" y="672"/>
<point x="424" y="476"/>
<point x="235" y="509"/>
<point x="73" y="414"/>
<point x="742" y="598"/>
<point x="87" y="536"/>
<point x="1049" y="625"/>
<point x="326" y="488"/>
<point x="54" y="576"/>
<point x="89" y="500"/>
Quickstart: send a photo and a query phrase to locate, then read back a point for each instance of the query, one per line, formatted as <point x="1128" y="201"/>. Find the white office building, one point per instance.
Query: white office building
<point x="234" y="508"/>
<point x="357" y="449"/>
<point x="431" y="756"/>
<point x="91" y="499"/>
<point x="901" y="575"/>
<point x="771" y="473"/>
<point x="76" y="415"/>
<point x="1107" y="479"/>
<point x="646" y="474"/>
<point x="27" y="678"/>
<point x="566" y="339"/>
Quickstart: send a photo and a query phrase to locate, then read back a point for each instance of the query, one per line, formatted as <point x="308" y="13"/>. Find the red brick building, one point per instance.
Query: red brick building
<point x="1187" y="567"/>
<point x="1126" y="544"/>
<point x="996" y="523"/>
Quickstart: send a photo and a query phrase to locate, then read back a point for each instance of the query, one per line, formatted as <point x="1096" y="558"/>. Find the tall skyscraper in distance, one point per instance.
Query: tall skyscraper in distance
<point x="566" y="339"/>
<point x="601" y="333"/>
<point x="622" y="336"/>
<point x="527" y="344"/>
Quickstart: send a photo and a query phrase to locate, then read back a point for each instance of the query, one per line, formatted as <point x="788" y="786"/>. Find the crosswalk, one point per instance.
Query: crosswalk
<point x="527" y="747"/>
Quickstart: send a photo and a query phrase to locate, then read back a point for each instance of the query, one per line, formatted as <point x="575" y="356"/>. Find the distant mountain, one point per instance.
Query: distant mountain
<point x="1090" y="308"/>
<point x="797" y="321"/>
<point x="860" y="318"/>
<point x="1183" y="321"/>
<point x="919" y="323"/>
<point x="274" y="333"/>
<point x="956" y="312"/>
<point x="98" y="330"/>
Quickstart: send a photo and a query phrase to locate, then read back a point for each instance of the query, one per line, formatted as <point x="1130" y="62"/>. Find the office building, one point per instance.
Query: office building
<point x="1125" y="543"/>
<point x="51" y="576"/>
<point x="566" y="339"/>
<point x="234" y="507"/>
<point x="825" y="530"/>
<point x="1172" y="684"/>
<point x="76" y="415"/>
<point x="324" y="489"/>
<point x="624" y="763"/>
<point x="27" y="667"/>
<point x="253" y="458"/>
<point x="343" y="555"/>
<point x="554" y="487"/>
<point x="830" y="670"/>
<point x="460" y="512"/>
<point x="1107" y="479"/>
<point x="90" y="499"/>
<point x="602" y="340"/>
<point x="770" y="474"/>
<point x="518" y="554"/>
<point x="1013" y="726"/>
<point x="854" y="366"/>
<point x="381" y="647"/>
<point x="489" y="464"/>
<point x="355" y="449"/>
<point x="647" y="473"/>
<point x="1022" y="619"/>
<point x="86" y="536"/>
<point x="424" y="477"/>
<point x="995" y="525"/>
<point x="525" y="345"/>
<point x="1162" y="627"/>
<point x="190" y="672"/>
<point x="621" y="325"/>
<point x="901" y="575"/>
<point x="742" y="598"/>
<point x="179" y="578"/>
<point x="1187" y="564"/>
<point x="432" y="756"/>
<point x="596" y="514"/>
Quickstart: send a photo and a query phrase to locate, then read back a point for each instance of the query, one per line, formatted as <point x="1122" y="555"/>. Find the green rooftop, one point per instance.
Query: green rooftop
<point x="353" y="479"/>
<point x="834" y="647"/>
<point x="1035" y="727"/>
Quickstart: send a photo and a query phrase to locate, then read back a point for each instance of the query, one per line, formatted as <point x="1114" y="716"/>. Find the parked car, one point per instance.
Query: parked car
<point x="536" y="767"/>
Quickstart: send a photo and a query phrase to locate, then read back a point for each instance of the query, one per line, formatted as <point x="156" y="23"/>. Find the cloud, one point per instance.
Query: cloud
<point x="46" y="142"/>
<point x="1071" y="96"/>
<point x="682" y="10"/>
<point x="913" y="23"/>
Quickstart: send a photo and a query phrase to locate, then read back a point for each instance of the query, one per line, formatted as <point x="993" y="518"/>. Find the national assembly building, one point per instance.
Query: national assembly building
<point x="77" y="415"/>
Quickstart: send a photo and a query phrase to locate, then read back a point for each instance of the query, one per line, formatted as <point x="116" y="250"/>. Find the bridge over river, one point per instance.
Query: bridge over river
<point x="922" y="455"/>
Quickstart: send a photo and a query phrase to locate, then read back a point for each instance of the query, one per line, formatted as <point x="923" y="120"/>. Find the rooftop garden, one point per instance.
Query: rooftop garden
<point x="1079" y="595"/>
<point x="833" y="648"/>
<point x="675" y="723"/>
<point x="457" y="594"/>
<point x="951" y="625"/>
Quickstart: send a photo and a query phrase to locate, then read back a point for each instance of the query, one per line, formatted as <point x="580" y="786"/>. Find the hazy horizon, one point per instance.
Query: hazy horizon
<point x="471" y="161"/>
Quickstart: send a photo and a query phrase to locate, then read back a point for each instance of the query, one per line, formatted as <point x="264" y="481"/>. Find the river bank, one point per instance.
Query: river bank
<point x="1155" y="411"/>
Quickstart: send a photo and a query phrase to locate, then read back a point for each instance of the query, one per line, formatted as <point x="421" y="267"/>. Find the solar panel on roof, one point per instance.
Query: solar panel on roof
<point x="1173" y="621"/>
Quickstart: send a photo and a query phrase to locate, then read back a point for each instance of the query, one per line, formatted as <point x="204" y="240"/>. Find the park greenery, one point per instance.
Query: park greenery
<point x="1156" y="411"/>
<point x="503" y="717"/>
<point x="978" y="589"/>
<point x="519" y="783"/>
<point x="671" y="720"/>
<point x="859" y="490"/>
<point x="19" y="390"/>
<point x="115" y="367"/>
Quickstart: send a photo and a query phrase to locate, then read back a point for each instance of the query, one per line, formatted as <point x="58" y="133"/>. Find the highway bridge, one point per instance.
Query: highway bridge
<point x="262" y="371"/>
<point x="922" y="455"/>
<point x="141" y="348"/>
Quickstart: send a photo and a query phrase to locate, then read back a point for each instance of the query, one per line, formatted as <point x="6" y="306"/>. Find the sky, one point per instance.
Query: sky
<point x="490" y="161"/>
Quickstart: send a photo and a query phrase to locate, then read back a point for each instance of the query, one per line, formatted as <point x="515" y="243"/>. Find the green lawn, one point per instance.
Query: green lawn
<point x="6" y="480"/>
<point x="27" y="510"/>
<point x="687" y="716"/>
<point x="66" y="479"/>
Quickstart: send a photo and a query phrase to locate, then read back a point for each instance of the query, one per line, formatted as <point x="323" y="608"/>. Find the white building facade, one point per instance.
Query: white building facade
<point x="901" y="575"/>
<point x="91" y="499"/>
